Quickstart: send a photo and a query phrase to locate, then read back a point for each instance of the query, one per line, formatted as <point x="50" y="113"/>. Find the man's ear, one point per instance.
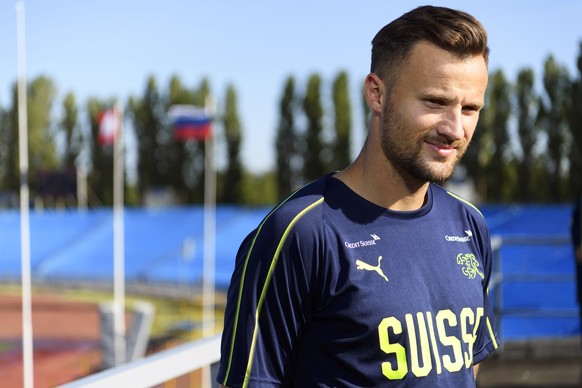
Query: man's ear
<point x="374" y="92"/>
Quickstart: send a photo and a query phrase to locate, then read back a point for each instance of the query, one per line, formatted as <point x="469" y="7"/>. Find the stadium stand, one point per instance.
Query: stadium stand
<point x="533" y="289"/>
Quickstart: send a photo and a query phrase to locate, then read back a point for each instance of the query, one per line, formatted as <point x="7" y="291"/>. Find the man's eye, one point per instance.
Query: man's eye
<point x="471" y="109"/>
<point x="435" y="102"/>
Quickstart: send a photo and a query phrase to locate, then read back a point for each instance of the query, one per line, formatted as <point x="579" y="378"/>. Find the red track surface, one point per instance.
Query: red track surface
<point x="66" y="340"/>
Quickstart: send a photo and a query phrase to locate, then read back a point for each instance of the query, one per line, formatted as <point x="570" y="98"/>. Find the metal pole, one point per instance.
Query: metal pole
<point x="81" y="188"/>
<point x="209" y="233"/>
<point x="209" y="241"/>
<point x="27" y="336"/>
<point x="118" y="241"/>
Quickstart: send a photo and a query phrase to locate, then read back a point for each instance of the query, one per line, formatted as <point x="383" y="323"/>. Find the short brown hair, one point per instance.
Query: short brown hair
<point x="454" y="31"/>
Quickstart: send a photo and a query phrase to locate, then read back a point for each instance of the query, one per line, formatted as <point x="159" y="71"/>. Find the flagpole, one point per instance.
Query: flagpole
<point x="209" y="228"/>
<point x="118" y="241"/>
<point x="27" y="336"/>
<point x="190" y="123"/>
<point x="208" y="272"/>
<point x="81" y="187"/>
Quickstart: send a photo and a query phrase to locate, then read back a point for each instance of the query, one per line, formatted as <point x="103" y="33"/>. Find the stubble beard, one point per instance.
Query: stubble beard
<point x="404" y="153"/>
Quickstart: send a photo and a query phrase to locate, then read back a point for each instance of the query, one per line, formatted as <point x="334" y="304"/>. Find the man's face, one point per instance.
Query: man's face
<point x="432" y="112"/>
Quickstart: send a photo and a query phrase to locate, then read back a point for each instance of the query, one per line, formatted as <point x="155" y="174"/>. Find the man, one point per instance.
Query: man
<point x="375" y="276"/>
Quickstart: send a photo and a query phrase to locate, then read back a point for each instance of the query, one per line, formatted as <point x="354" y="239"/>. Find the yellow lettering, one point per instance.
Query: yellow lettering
<point x="417" y="370"/>
<point x="479" y="315"/>
<point x="467" y="317"/>
<point x="441" y="342"/>
<point x="480" y="312"/>
<point x="453" y="342"/>
<point x="397" y="349"/>
<point x="433" y="342"/>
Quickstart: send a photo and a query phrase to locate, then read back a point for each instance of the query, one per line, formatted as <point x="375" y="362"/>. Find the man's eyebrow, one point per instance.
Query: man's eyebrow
<point x="434" y="95"/>
<point x="476" y="106"/>
<point x="446" y="98"/>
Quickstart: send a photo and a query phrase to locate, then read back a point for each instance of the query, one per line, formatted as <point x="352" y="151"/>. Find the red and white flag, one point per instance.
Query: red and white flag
<point x="109" y="126"/>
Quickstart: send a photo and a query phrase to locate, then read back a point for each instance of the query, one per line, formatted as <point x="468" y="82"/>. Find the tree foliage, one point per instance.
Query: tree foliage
<point x="42" y="154"/>
<point x="313" y="156"/>
<point x="527" y="106"/>
<point x="554" y="115"/>
<point x="341" y="156"/>
<point x="9" y="146"/>
<point x="527" y="146"/>
<point x="100" y="179"/>
<point x="286" y="141"/>
<point x="69" y="125"/>
<point x="42" y="150"/>
<point x="152" y="161"/>
<point x="575" y="176"/>
<point x="233" y="175"/>
<point x="499" y="111"/>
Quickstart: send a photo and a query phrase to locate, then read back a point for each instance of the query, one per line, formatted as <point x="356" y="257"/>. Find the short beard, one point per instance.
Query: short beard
<point x="406" y="158"/>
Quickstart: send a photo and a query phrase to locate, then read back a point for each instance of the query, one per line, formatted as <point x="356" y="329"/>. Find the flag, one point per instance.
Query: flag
<point x="190" y="122"/>
<point x="109" y="126"/>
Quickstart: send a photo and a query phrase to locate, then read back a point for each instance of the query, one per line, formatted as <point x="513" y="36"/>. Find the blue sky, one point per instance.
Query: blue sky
<point x="108" y="48"/>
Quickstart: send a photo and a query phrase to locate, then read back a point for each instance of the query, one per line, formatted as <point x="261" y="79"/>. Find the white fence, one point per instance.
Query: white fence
<point x="157" y="368"/>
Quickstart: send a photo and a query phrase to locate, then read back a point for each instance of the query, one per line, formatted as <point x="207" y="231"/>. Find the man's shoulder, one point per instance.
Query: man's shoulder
<point x="301" y="203"/>
<point x="451" y="201"/>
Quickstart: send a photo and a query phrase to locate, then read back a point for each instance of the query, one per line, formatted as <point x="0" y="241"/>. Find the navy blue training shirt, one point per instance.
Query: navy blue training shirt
<point x="332" y="290"/>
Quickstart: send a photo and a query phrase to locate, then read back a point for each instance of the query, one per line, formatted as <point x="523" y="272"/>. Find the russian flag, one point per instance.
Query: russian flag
<point x="190" y="122"/>
<point x="109" y="125"/>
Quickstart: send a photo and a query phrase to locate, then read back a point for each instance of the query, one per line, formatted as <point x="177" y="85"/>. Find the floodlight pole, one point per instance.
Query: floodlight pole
<point x="27" y="345"/>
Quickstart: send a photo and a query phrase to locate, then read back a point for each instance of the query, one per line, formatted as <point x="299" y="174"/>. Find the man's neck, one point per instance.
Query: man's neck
<point x="380" y="184"/>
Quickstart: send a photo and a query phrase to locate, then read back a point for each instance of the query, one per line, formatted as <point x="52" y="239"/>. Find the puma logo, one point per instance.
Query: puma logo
<point x="368" y="267"/>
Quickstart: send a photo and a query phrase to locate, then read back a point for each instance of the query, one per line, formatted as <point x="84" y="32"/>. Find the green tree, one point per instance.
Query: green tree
<point x="478" y="154"/>
<point x="3" y="145"/>
<point x="41" y="146"/>
<point x="471" y="160"/>
<point x="164" y="161"/>
<point x="286" y="141"/>
<point x="72" y="135"/>
<point x="42" y="149"/>
<point x="9" y="146"/>
<point x="500" y="112"/>
<point x="152" y="163"/>
<point x="341" y="157"/>
<point x="260" y="189"/>
<point x="314" y="164"/>
<point x="193" y="165"/>
<point x="100" y="178"/>
<point x="554" y="117"/>
<point x="177" y="153"/>
<point x="575" y="176"/>
<point x="233" y="185"/>
<point x="527" y="129"/>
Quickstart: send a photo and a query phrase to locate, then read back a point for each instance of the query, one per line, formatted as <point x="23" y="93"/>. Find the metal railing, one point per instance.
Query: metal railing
<point x="499" y="277"/>
<point x="157" y="368"/>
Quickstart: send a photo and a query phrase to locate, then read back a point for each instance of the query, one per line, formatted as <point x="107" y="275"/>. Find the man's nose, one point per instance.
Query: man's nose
<point x="452" y="126"/>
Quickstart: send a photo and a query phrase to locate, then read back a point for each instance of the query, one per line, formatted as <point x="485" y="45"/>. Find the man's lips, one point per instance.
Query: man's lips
<point x="443" y="150"/>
